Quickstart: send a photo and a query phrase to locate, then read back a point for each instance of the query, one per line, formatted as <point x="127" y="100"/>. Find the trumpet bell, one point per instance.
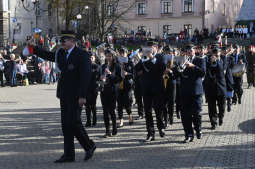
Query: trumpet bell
<point x="238" y="70"/>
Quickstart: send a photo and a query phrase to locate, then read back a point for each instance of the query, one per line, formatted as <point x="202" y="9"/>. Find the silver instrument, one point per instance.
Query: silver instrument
<point x="238" y="70"/>
<point x="182" y="62"/>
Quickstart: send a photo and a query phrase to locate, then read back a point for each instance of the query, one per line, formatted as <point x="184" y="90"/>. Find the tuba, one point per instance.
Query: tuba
<point x="238" y="70"/>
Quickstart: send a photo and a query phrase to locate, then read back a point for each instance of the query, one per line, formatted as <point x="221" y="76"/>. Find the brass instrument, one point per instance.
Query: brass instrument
<point x="101" y="83"/>
<point x="183" y="66"/>
<point x="238" y="70"/>
<point x="169" y="65"/>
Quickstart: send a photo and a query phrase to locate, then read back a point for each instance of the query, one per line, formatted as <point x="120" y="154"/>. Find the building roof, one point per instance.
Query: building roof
<point x="247" y="11"/>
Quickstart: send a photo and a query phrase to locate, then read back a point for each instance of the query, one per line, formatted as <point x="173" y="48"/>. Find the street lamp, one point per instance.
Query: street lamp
<point x="33" y="5"/>
<point x="78" y="17"/>
<point x="27" y="4"/>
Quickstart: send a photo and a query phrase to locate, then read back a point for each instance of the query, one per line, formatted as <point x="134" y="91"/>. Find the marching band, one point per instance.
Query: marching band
<point x="167" y="80"/>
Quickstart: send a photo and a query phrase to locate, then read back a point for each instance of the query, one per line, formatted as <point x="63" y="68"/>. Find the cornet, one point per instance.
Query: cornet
<point x="183" y="66"/>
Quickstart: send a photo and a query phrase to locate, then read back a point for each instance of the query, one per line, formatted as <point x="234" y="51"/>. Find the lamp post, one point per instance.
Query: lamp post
<point x="32" y="5"/>
<point x="78" y="17"/>
<point x="88" y="16"/>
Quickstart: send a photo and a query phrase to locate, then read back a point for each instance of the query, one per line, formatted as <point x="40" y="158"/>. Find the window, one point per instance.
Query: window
<point x="167" y="29"/>
<point x="140" y="8"/>
<point x="188" y="29"/>
<point x="110" y="10"/>
<point x="141" y="28"/>
<point x="141" y="31"/>
<point x="167" y="6"/>
<point x="187" y="6"/>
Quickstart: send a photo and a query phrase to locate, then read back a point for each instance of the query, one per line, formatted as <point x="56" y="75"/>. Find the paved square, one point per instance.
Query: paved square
<point x="31" y="137"/>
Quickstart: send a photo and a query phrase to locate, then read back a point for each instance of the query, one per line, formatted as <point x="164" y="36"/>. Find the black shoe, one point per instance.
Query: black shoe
<point x="239" y="101"/>
<point x="213" y="127"/>
<point x="166" y="125"/>
<point x="162" y="133"/>
<point x="199" y="135"/>
<point x="229" y="108"/>
<point x="220" y="121"/>
<point x="89" y="153"/>
<point x="150" y="138"/>
<point x="178" y="115"/>
<point x="139" y="118"/>
<point x="107" y="134"/>
<point x="188" y="139"/>
<point x="64" y="159"/>
<point x="234" y="102"/>
<point x="171" y="121"/>
<point x="88" y="125"/>
<point x="114" y="132"/>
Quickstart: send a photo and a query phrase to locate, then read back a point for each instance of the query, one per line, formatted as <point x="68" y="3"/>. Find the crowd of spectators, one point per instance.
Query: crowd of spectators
<point x="18" y="70"/>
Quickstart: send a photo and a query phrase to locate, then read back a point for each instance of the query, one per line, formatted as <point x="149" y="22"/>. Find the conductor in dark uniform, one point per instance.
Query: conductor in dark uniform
<point x="191" y="91"/>
<point x="75" y="66"/>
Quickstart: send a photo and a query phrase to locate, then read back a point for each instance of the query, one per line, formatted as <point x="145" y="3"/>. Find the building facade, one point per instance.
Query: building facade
<point x="173" y="16"/>
<point x="19" y="19"/>
<point x="4" y="22"/>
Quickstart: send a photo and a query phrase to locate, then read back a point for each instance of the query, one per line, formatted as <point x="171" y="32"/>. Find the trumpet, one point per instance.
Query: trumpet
<point x="183" y="66"/>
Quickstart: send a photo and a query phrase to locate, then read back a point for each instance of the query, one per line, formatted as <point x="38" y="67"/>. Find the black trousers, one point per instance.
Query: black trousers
<point x="2" y="77"/>
<point x="213" y="101"/>
<point x="155" y="102"/>
<point x="250" y="77"/>
<point x="238" y="90"/>
<point x="178" y="98"/>
<point x="139" y="101"/>
<point x="124" y="101"/>
<point x="91" y="107"/>
<point x="191" y="107"/>
<point x="72" y="126"/>
<point x="108" y="101"/>
<point x="169" y="99"/>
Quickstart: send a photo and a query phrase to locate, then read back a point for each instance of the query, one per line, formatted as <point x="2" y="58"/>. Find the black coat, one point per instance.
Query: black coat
<point x="215" y="82"/>
<point x="75" y="72"/>
<point x="229" y="75"/>
<point x="152" y="77"/>
<point x="191" y="78"/>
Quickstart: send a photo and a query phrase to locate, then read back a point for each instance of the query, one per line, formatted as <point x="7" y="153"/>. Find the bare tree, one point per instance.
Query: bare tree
<point x="108" y="13"/>
<point x="69" y="9"/>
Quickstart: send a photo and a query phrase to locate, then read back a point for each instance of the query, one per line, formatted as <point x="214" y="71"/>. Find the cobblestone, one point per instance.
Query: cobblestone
<point x="31" y="138"/>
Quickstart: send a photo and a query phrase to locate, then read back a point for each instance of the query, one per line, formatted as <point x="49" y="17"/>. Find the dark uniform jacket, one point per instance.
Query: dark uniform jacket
<point x="75" y="71"/>
<point x="191" y="78"/>
<point x="152" y="77"/>
<point x="229" y="75"/>
<point x="128" y="80"/>
<point x="214" y="82"/>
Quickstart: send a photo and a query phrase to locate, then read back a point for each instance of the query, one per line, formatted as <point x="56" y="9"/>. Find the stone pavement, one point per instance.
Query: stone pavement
<point x="31" y="138"/>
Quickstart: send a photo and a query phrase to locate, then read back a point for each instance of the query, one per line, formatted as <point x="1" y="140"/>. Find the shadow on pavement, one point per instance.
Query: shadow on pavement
<point x="248" y="126"/>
